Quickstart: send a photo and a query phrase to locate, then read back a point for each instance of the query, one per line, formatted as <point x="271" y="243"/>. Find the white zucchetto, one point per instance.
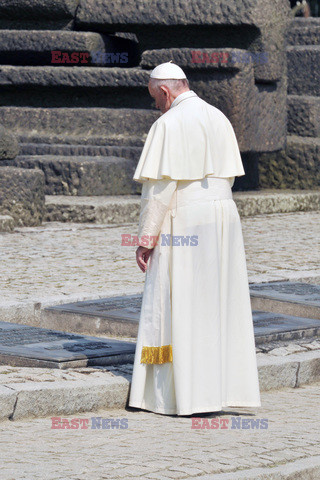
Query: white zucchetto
<point x="168" y="71"/>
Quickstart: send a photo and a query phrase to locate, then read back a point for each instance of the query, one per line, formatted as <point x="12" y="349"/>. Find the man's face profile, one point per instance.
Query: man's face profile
<point x="162" y="95"/>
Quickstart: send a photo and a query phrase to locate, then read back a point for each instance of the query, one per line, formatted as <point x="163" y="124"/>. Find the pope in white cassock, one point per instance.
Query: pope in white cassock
<point x="195" y="348"/>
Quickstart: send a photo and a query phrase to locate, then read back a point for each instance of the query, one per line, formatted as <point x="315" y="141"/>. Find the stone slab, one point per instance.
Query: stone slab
<point x="32" y="346"/>
<point x="37" y="14"/>
<point x="304" y="115"/>
<point x="9" y="148"/>
<point x="70" y="125"/>
<point x="38" y="399"/>
<point x="6" y="223"/>
<point x="65" y="150"/>
<point x="233" y="92"/>
<point x="82" y="175"/>
<point x="34" y="47"/>
<point x="22" y="195"/>
<point x="196" y="24"/>
<point x="126" y="208"/>
<point x="291" y="298"/>
<point x="304" y="31"/>
<point x="303" y="70"/>
<point x="124" y="313"/>
<point x="295" y="167"/>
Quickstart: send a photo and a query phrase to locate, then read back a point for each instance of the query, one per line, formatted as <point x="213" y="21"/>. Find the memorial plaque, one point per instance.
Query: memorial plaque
<point x="267" y="323"/>
<point x="126" y="308"/>
<point x="289" y="298"/>
<point x="296" y="292"/>
<point x="32" y="346"/>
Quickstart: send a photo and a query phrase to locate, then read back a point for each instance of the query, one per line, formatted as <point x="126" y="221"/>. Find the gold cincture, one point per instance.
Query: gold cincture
<point x="156" y="354"/>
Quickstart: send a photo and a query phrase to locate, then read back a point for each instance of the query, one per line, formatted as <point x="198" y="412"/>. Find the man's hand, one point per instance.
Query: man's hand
<point x="142" y="256"/>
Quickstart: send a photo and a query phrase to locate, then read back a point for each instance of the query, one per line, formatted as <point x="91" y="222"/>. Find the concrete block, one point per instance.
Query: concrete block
<point x="8" y="145"/>
<point x="304" y="115"/>
<point x="22" y="195"/>
<point x="303" y="70"/>
<point x="82" y="175"/>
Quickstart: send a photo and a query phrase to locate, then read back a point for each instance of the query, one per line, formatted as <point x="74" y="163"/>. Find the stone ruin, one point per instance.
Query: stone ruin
<point x="83" y="124"/>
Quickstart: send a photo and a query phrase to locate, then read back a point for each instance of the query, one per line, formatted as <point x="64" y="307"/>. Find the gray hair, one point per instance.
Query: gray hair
<point x="174" y="85"/>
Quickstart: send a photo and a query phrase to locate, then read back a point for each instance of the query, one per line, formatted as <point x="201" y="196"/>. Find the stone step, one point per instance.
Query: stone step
<point x="95" y="126"/>
<point x="52" y="88"/>
<point x="119" y="316"/>
<point x="130" y="153"/>
<point x="303" y="70"/>
<point x="290" y="298"/>
<point x="98" y="209"/>
<point x="126" y="208"/>
<point x="82" y="175"/>
<point x="303" y="115"/>
<point x="304" y="31"/>
<point x="35" y="47"/>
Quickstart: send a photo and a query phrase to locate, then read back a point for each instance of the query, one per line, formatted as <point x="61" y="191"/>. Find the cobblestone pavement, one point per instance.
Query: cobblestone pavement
<point x="60" y="262"/>
<point x="155" y="446"/>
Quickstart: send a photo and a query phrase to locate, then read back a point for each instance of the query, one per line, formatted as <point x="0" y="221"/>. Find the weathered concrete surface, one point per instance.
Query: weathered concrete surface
<point x="304" y="31"/>
<point x="98" y="209"/>
<point x="259" y="25"/>
<point x="127" y="152"/>
<point x="103" y="126"/>
<point x="6" y="223"/>
<point x="125" y="208"/>
<point x="303" y="70"/>
<point x="33" y="47"/>
<point x="36" y="14"/>
<point x="304" y="115"/>
<point x="8" y="145"/>
<point x="22" y="195"/>
<point x="235" y="92"/>
<point x="83" y="175"/>
<point x="296" y="167"/>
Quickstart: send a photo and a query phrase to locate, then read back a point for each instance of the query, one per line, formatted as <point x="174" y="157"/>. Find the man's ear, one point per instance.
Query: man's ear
<point x="165" y="90"/>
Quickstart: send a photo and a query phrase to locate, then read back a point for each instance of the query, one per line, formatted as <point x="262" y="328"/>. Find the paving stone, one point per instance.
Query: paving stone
<point x="287" y="449"/>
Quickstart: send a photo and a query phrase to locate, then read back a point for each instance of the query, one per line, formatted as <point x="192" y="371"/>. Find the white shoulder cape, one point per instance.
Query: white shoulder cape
<point x="191" y="140"/>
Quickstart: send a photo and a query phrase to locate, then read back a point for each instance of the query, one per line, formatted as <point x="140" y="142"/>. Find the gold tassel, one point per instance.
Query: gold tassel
<point x="156" y="354"/>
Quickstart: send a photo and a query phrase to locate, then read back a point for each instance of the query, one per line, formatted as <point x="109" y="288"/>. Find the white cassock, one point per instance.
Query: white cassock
<point x="195" y="348"/>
